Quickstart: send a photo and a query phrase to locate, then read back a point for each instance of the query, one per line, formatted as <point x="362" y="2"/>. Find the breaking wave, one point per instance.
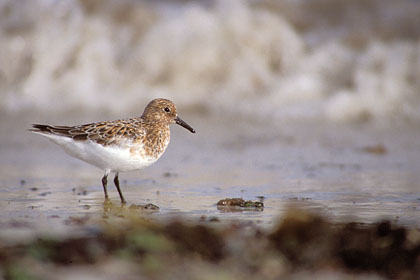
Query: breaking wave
<point x="343" y="60"/>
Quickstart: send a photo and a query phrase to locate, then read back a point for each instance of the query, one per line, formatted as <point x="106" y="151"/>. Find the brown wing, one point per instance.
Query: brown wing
<point x="66" y="131"/>
<point x="105" y="133"/>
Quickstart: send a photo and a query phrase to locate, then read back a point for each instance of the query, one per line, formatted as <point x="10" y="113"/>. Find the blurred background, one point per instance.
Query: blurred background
<point x="332" y="60"/>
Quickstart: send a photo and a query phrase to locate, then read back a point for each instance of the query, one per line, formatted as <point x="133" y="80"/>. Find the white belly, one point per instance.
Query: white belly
<point x="111" y="158"/>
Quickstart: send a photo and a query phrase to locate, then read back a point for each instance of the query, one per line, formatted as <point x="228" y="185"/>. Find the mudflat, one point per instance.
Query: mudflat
<point x="361" y="173"/>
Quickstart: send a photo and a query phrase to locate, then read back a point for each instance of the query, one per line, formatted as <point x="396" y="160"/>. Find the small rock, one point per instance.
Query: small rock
<point x="377" y="149"/>
<point x="148" y="206"/>
<point x="45" y="193"/>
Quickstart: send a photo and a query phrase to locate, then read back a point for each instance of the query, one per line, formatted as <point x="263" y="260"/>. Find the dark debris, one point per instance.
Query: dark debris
<point x="240" y="202"/>
<point x="301" y="241"/>
<point x="148" y="206"/>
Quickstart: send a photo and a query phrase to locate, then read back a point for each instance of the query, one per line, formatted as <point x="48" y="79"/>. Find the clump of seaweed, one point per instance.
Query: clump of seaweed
<point x="240" y="202"/>
<point x="310" y="241"/>
<point x="177" y="249"/>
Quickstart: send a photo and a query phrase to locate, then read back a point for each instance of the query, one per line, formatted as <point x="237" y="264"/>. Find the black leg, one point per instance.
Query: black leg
<point x="104" y="183"/>
<point x="117" y="184"/>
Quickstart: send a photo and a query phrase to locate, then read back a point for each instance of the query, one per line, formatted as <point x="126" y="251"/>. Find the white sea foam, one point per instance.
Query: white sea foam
<point x="229" y="56"/>
<point x="386" y="83"/>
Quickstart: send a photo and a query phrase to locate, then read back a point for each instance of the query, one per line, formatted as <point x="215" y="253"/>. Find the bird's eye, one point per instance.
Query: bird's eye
<point x="167" y="110"/>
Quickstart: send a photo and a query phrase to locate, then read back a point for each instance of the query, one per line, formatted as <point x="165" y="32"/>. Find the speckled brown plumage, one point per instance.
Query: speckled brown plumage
<point x="120" y="145"/>
<point x="150" y="136"/>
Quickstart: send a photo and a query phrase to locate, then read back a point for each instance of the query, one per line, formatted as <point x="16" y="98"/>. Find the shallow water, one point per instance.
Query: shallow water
<point x="279" y="80"/>
<point x="323" y="167"/>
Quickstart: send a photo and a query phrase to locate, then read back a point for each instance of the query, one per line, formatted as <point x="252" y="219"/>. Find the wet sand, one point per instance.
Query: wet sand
<point x="53" y="217"/>
<point x="360" y="173"/>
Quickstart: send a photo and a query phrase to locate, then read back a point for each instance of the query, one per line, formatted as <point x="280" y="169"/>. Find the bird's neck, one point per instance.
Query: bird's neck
<point x="158" y="137"/>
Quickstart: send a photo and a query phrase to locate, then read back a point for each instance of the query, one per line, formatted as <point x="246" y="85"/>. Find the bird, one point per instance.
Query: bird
<point x="119" y="145"/>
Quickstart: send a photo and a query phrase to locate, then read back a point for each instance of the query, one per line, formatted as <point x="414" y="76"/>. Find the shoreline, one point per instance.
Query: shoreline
<point x="300" y="245"/>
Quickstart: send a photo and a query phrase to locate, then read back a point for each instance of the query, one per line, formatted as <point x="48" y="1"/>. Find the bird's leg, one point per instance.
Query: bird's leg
<point x="117" y="184"/>
<point x="104" y="183"/>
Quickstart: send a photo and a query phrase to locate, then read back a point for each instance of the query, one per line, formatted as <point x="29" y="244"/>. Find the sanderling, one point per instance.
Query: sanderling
<point x="120" y="145"/>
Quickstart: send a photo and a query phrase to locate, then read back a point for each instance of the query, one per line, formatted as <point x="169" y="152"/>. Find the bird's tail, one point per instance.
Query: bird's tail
<point x="51" y="129"/>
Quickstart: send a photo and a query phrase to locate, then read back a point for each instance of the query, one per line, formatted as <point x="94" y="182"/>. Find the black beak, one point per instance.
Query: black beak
<point x="184" y="124"/>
